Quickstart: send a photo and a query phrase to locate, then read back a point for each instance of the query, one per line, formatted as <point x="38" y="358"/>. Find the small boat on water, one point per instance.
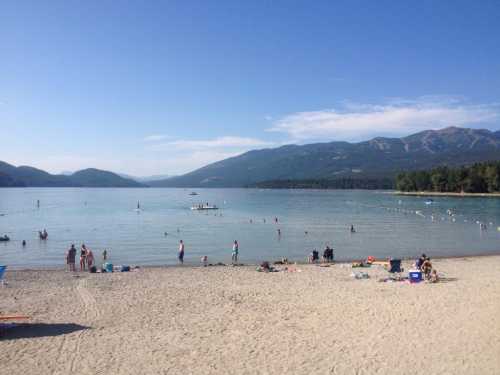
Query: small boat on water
<point x="429" y="201"/>
<point x="204" y="207"/>
<point x="4" y="238"/>
<point x="193" y="193"/>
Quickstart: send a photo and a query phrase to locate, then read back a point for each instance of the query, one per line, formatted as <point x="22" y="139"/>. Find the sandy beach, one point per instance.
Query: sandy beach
<point x="447" y="194"/>
<point x="234" y="320"/>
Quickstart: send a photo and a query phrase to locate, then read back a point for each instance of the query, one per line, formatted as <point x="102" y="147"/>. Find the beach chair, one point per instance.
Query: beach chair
<point x="395" y="267"/>
<point x="2" y="272"/>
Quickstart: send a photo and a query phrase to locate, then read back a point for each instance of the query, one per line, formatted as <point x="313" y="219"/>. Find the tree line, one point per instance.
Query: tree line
<point x="476" y="178"/>
<point x="339" y="183"/>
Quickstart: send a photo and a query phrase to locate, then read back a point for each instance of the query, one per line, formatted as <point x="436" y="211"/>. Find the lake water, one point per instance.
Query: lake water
<point x="386" y="225"/>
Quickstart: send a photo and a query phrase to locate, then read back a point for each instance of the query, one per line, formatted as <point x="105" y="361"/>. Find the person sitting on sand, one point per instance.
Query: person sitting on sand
<point x="434" y="278"/>
<point x="70" y="258"/>
<point x="427" y="267"/>
<point x="265" y="267"/>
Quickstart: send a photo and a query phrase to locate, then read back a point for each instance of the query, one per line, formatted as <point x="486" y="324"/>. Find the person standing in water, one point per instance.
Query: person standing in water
<point x="181" y="252"/>
<point x="38" y="203"/>
<point x="234" y="256"/>
<point x="352" y="229"/>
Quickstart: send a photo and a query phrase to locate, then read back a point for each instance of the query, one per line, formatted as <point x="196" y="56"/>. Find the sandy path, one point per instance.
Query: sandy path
<point x="228" y="320"/>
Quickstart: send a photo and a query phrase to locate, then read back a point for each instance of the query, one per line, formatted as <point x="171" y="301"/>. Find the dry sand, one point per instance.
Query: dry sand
<point x="226" y="320"/>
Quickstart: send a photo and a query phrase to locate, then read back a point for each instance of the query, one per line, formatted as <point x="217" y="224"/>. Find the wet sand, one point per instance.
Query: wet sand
<point x="234" y="320"/>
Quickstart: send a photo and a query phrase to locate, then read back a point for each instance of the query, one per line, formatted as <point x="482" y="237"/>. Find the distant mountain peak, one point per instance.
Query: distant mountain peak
<point x="379" y="156"/>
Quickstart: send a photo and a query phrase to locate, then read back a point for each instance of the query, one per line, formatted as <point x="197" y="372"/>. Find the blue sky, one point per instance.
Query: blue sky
<point x="163" y="87"/>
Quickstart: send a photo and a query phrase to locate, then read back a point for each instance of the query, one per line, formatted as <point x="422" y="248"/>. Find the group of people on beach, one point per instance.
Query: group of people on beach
<point x="204" y="259"/>
<point x="425" y="266"/>
<point x="327" y="255"/>
<point x="86" y="258"/>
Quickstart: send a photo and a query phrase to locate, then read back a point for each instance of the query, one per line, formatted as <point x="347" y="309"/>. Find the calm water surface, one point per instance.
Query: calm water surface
<point x="386" y="225"/>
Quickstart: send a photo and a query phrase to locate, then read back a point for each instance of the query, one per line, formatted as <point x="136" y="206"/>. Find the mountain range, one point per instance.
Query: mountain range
<point x="24" y="176"/>
<point x="377" y="158"/>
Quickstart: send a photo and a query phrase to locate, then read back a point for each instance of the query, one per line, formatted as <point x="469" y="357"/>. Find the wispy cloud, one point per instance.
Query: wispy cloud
<point x="155" y="138"/>
<point x="226" y="142"/>
<point x="354" y="121"/>
<point x="183" y="155"/>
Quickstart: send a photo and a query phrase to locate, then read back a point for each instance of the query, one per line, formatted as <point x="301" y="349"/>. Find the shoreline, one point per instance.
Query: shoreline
<point x="446" y="194"/>
<point x="188" y="265"/>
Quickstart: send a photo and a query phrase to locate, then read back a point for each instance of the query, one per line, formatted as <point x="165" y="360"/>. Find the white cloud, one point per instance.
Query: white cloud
<point x="170" y="157"/>
<point x="241" y="143"/>
<point x="155" y="138"/>
<point x="184" y="155"/>
<point x="353" y="121"/>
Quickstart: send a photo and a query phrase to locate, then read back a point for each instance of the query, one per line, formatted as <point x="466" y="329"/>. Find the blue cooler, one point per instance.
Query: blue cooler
<point x="415" y="276"/>
<point x="108" y="267"/>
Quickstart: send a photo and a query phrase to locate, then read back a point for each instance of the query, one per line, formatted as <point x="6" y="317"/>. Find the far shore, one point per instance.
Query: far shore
<point x="446" y="194"/>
